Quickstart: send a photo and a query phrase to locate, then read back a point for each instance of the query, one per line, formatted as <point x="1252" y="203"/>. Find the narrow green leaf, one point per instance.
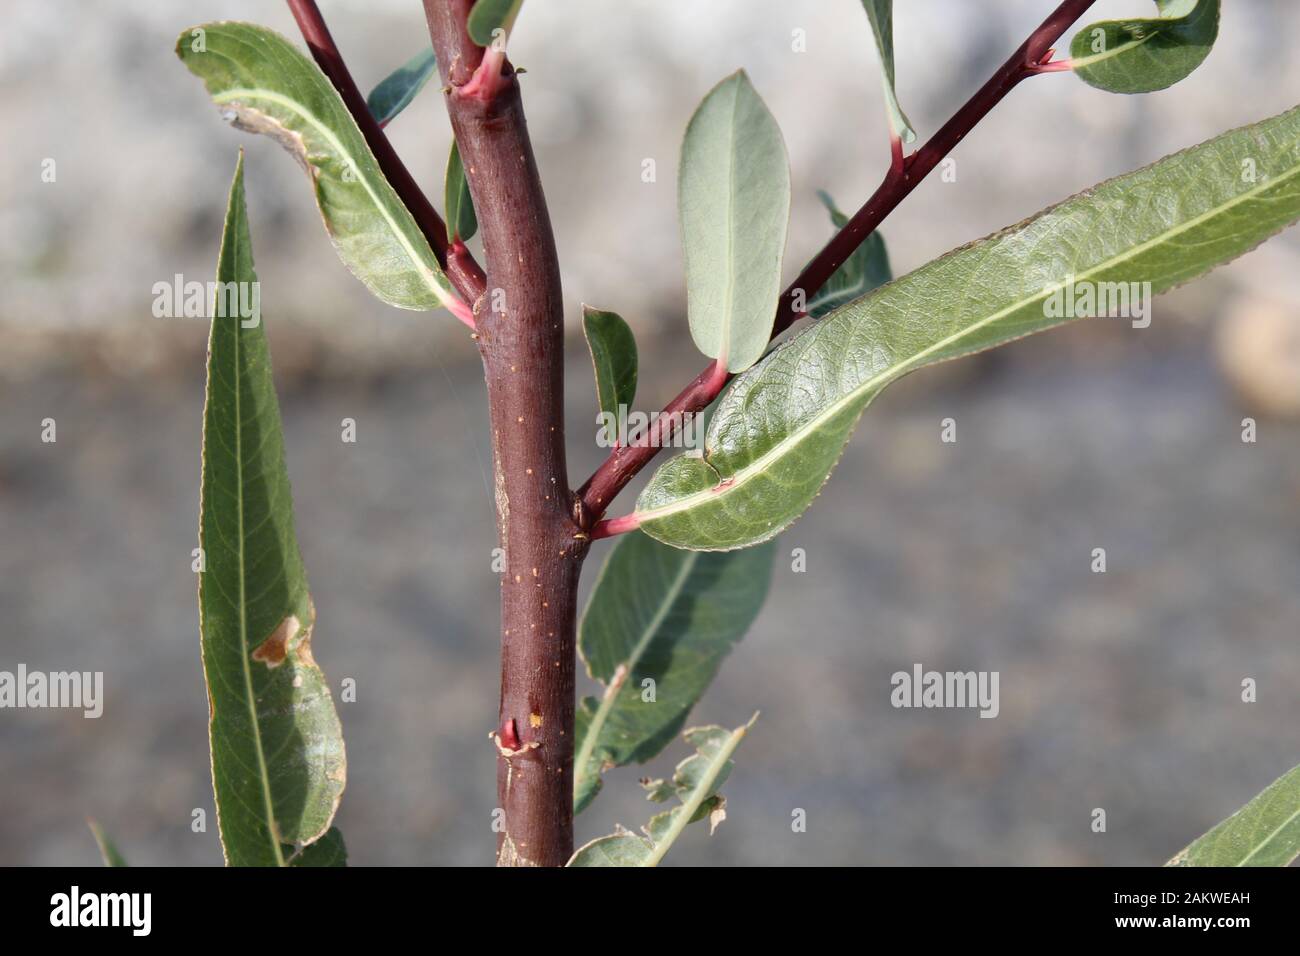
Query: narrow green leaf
<point x="881" y="15"/>
<point x="780" y="428"/>
<point x="326" y="852"/>
<point x="262" y="84"/>
<point x="461" y="221"/>
<point x="489" y="15"/>
<point x="1265" y="832"/>
<point x="613" y="353"/>
<point x="1140" y="56"/>
<point x="278" y="765"/>
<point x="662" y="614"/>
<point x="695" y="783"/>
<point x="865" y="269"/>
<point x="733" y="199"/>
<point x="107" y="848"/>
<point x="395" y="92"/>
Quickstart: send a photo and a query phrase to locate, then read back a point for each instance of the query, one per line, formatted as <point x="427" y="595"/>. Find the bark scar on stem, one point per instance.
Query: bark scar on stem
<point x="510" y="856"/>
<point x="508" y="746"/>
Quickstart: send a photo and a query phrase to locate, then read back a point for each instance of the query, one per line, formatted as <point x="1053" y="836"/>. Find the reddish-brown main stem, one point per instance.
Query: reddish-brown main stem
<point x="519" y="312"/>
<point x="521" y="338"/>
<point x="624" y="462"/>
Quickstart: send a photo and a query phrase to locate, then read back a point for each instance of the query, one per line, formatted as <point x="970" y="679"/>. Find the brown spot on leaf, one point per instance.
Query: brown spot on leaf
<point x="275" y="648"/>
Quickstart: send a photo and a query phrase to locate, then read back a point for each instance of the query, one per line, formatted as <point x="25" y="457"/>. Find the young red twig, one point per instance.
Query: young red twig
<point x="1048" y="65"/>
<point x="486" y="82"/>
<point x="461" y="262"/>
<point x="624" y="463"/>
<point x="464" y="313"/>
<point x="897" y="161"/>
<point x="465" y="274"/>
<point x="608" y="527"/>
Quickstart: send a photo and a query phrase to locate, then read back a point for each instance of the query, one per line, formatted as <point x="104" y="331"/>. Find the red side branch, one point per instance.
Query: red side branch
<point x="624" y="462"/>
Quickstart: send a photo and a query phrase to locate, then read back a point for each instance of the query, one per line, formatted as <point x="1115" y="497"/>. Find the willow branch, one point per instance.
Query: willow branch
<point x="1030" y="59"/>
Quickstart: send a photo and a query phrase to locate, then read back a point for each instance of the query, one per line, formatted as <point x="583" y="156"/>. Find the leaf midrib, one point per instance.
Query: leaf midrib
<point x="1108" y="54"/>
<point x="425" y="273"/>
<point x="777" y="451"/>
<point x="1270" y="837"/>
<point x="263" y="773"/>
<point x="682" y="815"/>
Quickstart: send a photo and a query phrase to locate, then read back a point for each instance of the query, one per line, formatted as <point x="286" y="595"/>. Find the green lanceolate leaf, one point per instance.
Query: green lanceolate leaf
<point x="278" y="766"/>
<point x="262" y="84"/>
<point x="395" y="92"/>
<point x="780" y="428"/>
<point x="881" y="15"/>
<point x="490" y="15"/>
<point x="1265" y="832"/>
<point x="461" y="221"/>
<point x="1140" y="56"/>
<point x="326" y="852"/>
<point x="107" y="848"/>
<point x="865" y="269"/>
<point x="613" y="353"/>
<point x="695" y="783"/>
<point x="733" y="199"/>
<point x="661" y="614"/>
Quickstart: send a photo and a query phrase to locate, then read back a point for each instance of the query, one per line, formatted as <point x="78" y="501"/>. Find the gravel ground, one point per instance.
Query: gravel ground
<point x="1118" y="690"/>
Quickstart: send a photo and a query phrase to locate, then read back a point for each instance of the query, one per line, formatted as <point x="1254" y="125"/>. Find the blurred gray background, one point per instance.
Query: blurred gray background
<point x="1119" y="691"/>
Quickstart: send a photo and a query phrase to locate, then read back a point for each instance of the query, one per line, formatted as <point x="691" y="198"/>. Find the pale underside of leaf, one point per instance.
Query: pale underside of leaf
<point x="881" y="15"/>
<point x="278" y="763"/>
<point x="733" y="195"/>
<point x="263" y="84"/>
<point x="780" y="428"/>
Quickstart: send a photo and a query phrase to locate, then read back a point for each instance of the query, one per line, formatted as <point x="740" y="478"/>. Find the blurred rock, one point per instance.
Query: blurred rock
<point x="143" y="159"/>
<point x="1258" y="348"/>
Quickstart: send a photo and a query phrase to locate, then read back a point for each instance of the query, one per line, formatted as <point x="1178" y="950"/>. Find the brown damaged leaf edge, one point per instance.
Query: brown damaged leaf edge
<point x="249" y="119"/>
